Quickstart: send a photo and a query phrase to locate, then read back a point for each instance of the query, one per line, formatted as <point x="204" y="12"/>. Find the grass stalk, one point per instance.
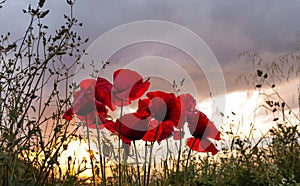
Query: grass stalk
<point x="90" y="151"/>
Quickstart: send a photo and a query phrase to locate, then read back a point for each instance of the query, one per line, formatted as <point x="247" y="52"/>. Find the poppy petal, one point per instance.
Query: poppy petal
<point x="153" y="129"/>
<point x="124" y="96"/>
<point x="103" y="92"/>
<point x="91" y="120"/>
<point x="134" y="122"/>
<point x="143" y="107"/>
<point x="119" y="102"/>
<point x="197" y="123"/>
<point x="68" y="115"/>
<point x="125" y="140"/>
<point x="87" y="83"/>
<point x="212" y="131"/>
<point x="139" y="89"/>
<point x="83" y="102"/>
<point x="177" y="112"/>
<point x="159" y="133"/>
<point x="165" y="96"/>
<point x="128" y="85"/>
<point x="189" y="101"/>
<point x="133" y="127"/>
<point x="201" y="127"/>
<point x="124" y="79"/>
<point x="201" y="145"/>
<point x="111" y="126"/>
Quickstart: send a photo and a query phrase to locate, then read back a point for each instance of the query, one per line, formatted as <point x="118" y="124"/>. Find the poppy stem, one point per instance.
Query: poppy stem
<point x="178" y="158"/>
<point x="90" y="152"/>
<point x="166" y="166"/>
<point x="119" y="145"/>
<point x="100" y="153"/>
<point x="167" y="156"/>
<point x="137" y="162"/>
<point x="149" y="166"/>
<point x="145" y="164"/>
<point x="150" y="156"/>
<point x="187" y="161"/>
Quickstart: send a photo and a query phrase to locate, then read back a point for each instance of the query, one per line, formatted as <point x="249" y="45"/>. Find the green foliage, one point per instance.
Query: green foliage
<point x="32" y="133"/>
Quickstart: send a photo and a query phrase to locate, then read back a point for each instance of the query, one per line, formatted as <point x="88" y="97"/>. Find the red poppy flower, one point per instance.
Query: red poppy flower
<point x="202" y="129"/>
<point x="83" y="100"/>
<point x="133" y="126"/>
<point x="127" y="86"/>
<point x="162" y="106"/>
<point x="164" y="109"/>
<point x="85" y="106"/>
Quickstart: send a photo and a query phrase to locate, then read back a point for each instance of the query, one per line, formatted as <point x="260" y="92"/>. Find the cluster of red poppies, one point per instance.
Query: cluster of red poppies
<point x="158" y="116"/>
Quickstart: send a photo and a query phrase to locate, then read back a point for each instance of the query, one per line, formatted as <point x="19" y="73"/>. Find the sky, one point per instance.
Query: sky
<point x="228" y="28"/>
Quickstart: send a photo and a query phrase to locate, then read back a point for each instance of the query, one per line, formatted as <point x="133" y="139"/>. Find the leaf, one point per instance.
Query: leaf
<point x="43" y="14"/>
<point x="33" y="96"/>
<point x="182" y="81"/>
<point x="41" y="3"/>
<point x="259" y="73"/>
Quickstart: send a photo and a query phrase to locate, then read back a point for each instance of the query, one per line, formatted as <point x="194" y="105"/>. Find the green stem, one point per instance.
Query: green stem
<point x="178" y="158"/>
<point x="167" y="141"/>
<point x="145" y="165"/>
<point x="150" y="156"/>
<point x="119" y="145"/>
<point x="166" y="166"/>
<point x="187" y="162"/>
<point x="137" y="163"/>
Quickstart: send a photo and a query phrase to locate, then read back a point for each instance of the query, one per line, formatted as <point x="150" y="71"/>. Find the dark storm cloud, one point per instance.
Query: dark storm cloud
<point x="259" y="25"/>
<point x="228" y="27"/>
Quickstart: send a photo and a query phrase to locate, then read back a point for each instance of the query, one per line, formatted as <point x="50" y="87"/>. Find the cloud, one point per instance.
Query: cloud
<point x="228" y="27"/>
<point x="269" y="26"/>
